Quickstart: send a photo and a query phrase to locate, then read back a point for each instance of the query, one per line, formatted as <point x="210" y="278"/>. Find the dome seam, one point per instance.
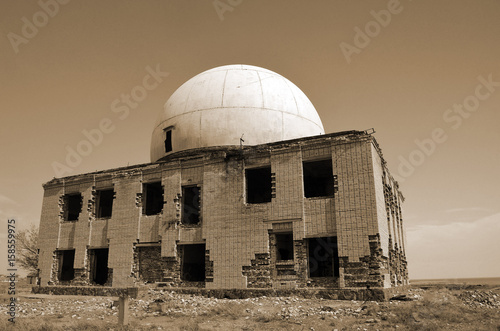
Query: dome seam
<point x="189" y="94"/>
<point x="261" y="89"/>
<point x="263" y="70"/>
<point x="223" y="89"/>
<point x="270" y="109"/>
<point x="293" y="95"/>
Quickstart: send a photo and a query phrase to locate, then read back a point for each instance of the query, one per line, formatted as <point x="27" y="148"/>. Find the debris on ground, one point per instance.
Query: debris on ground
<point x="483" y="299"/>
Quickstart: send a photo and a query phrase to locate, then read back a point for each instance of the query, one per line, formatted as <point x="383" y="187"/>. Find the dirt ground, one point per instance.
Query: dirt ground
<point x="443" y="307"/>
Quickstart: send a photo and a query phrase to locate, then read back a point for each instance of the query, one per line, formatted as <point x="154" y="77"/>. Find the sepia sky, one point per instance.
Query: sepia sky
<point x="424" y="74"/>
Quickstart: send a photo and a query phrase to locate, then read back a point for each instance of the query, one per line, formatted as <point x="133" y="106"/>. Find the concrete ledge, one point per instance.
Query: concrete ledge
<point x="374" y="294"/>
<point x="131" y="292"/>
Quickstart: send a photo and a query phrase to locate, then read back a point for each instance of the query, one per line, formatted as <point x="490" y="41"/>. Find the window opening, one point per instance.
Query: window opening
<point x="318" y="179"/>
<point x="73" y="206"/>
<point x="259" y="185"/>
<point x="153" y="198"/>
<point x="105" y="203"/>
<point x="284" y="246"/>
<point x="191" y="205"/>
<point x="168" y="140"/>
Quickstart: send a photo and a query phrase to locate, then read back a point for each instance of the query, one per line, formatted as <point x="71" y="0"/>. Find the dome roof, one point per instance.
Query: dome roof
<point x="221" y="105"/>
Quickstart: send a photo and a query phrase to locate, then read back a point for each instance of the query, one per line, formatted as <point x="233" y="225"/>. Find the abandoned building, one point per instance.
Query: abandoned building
<point x="244" y="190"/>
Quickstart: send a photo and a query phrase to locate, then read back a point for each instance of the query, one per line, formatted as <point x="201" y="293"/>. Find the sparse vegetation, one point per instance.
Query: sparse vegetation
<point x="27" y="245"/>
<point x="432" y="308"/>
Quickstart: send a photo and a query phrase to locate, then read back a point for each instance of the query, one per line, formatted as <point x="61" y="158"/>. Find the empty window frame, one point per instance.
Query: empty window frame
<point x="318" y="179"/>
<point x="104" y="206"/>
<point x="98" y="265"/>
<point x="193" y="262"/>
<point x="66" y="270"/>
<point x="284" y="246"/>
<point x="259" y="185"/>
<point x="153" y="198"/>
<point x="323" y="257"/>
<point x="72" y="206"/>
<point x="168" y="140"/>
<point x="190" y="205"/>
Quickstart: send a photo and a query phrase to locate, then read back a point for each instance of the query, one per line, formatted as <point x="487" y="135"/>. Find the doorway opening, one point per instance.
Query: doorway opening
<point x="66" y="270"/>
<point x="98" y="259"/>
<point x="193" y="262"/>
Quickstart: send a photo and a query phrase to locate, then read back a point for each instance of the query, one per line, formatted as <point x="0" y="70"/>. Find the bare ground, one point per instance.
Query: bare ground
<point x="443" y="307"/>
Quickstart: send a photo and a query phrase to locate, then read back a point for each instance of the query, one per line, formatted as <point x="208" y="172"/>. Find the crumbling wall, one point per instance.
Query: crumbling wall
<point x="239" y="246"/>
<point x="149" y="264"/>
<point x="234" y="230"/>
<point x="369" y="271"/>
<point x="54" y="268"/>
<point x="49" y="230"/>
<point x="397" y="257"/>
<point x="81" y="275"/>
<point x="301" y="265"/>
<point x="209" y="268"/>
<point x="258" y="273"/>
<point x="171" y="271"/>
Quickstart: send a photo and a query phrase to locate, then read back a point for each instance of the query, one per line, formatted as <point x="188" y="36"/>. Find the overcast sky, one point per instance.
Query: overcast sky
<point x="424" y="74"/>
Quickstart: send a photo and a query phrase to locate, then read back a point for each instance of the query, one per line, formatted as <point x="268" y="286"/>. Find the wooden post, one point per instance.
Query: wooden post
<point x="123" y="312"/>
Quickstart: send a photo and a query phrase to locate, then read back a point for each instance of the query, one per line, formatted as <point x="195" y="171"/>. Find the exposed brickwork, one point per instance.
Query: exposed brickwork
<point x="369" y="271"/>
<point x="302" y="270"/>
<point x="82" y="277"/>
<point x="301" y="267"/>
<point x="397" y="258"/>
<point x="171" y="271"/>
<point x="149" y="264"/>
<point x="258" y="273"/>
<point x="54" y="277"/>
<point x="209" y="268"/>
<point x="364" y="216"/>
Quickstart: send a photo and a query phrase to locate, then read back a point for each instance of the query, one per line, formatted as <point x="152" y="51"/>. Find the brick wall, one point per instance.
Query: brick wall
<point x="364" y="215"/>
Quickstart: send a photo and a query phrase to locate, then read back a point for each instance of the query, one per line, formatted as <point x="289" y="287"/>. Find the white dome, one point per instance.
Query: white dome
<point x="220" y="105"/>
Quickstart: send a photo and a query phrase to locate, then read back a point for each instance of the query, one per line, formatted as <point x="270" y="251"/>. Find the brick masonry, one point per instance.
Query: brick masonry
<point x="364" y="215"/>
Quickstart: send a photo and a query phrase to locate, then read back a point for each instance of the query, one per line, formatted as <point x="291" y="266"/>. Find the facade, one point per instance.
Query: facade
<point x="227" y="203"/>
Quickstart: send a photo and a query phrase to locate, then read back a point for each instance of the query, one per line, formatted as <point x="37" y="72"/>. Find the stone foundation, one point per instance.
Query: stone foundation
<point x="87" y="291"/>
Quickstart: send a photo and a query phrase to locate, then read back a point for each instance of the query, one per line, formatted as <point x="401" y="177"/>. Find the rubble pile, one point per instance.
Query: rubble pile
<point x="163" y="302"/>
<point x="482" y="299"/>
<point x="89" y="308"/>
